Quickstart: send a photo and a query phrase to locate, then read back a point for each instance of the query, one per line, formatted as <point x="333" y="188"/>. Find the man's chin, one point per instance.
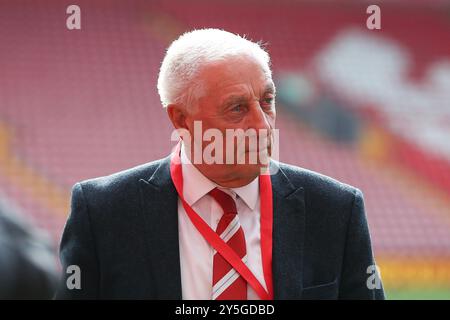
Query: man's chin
<point x="235" y="175"/>
<point x="251" y="170"/>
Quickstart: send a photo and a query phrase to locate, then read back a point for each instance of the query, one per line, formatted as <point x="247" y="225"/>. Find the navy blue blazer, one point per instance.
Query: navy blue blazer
<point x="123" y="234"/>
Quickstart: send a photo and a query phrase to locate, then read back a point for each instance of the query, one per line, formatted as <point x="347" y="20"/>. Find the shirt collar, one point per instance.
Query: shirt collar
<point x="196" y="185"/>
<point x="249" y="193"/>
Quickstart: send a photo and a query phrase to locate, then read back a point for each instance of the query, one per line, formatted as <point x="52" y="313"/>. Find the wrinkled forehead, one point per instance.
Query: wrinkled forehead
<point x="234" y="71"/>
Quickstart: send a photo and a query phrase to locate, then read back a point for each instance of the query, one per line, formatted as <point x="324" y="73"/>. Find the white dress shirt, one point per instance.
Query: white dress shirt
<point x="196" y="254"/>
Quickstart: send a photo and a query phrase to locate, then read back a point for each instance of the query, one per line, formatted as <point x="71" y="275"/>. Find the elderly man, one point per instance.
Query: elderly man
<point x="225" y="222"/>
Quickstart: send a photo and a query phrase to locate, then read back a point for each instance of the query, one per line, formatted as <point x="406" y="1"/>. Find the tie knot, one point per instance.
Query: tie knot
<point x="224" y="200"/>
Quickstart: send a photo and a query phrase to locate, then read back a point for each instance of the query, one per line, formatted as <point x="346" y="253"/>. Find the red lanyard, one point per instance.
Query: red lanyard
<point x="221" y="246"/>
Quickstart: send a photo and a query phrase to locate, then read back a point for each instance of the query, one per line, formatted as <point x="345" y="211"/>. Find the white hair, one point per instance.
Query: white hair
<point x="193" y="50"/>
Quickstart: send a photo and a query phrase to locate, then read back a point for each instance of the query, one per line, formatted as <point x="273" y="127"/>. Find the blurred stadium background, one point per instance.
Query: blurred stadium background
<point x="371" y="108"/>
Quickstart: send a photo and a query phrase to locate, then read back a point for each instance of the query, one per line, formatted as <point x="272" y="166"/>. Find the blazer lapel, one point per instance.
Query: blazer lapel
<point x="160" y="217"/>
<point x="288" y="237"/>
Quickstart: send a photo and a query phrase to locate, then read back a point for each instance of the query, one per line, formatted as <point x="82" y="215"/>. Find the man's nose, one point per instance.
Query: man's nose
<point x="257" y="118"/>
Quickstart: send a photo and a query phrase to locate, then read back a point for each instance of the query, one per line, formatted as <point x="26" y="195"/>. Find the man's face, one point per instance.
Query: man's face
<point x="237" y="94"/>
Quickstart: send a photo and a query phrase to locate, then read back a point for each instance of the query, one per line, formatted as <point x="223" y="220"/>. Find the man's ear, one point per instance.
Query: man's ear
<point x="177" y="115"/>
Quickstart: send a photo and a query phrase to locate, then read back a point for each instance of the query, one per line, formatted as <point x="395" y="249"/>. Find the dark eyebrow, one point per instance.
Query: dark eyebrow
<point x="234" y="99"/>
<point x="270" y="88"/>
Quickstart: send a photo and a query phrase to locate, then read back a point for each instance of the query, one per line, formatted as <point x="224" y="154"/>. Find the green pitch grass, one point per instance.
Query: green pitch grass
<point x="418" y="294"/>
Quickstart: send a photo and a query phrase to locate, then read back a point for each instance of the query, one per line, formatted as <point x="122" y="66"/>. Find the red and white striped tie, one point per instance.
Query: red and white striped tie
<point x="228" y="284"/>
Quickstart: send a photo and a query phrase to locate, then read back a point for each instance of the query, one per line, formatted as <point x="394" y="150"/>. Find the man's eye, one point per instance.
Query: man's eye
<point x="236" y="108"/>
<point x="268" y="100"/>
